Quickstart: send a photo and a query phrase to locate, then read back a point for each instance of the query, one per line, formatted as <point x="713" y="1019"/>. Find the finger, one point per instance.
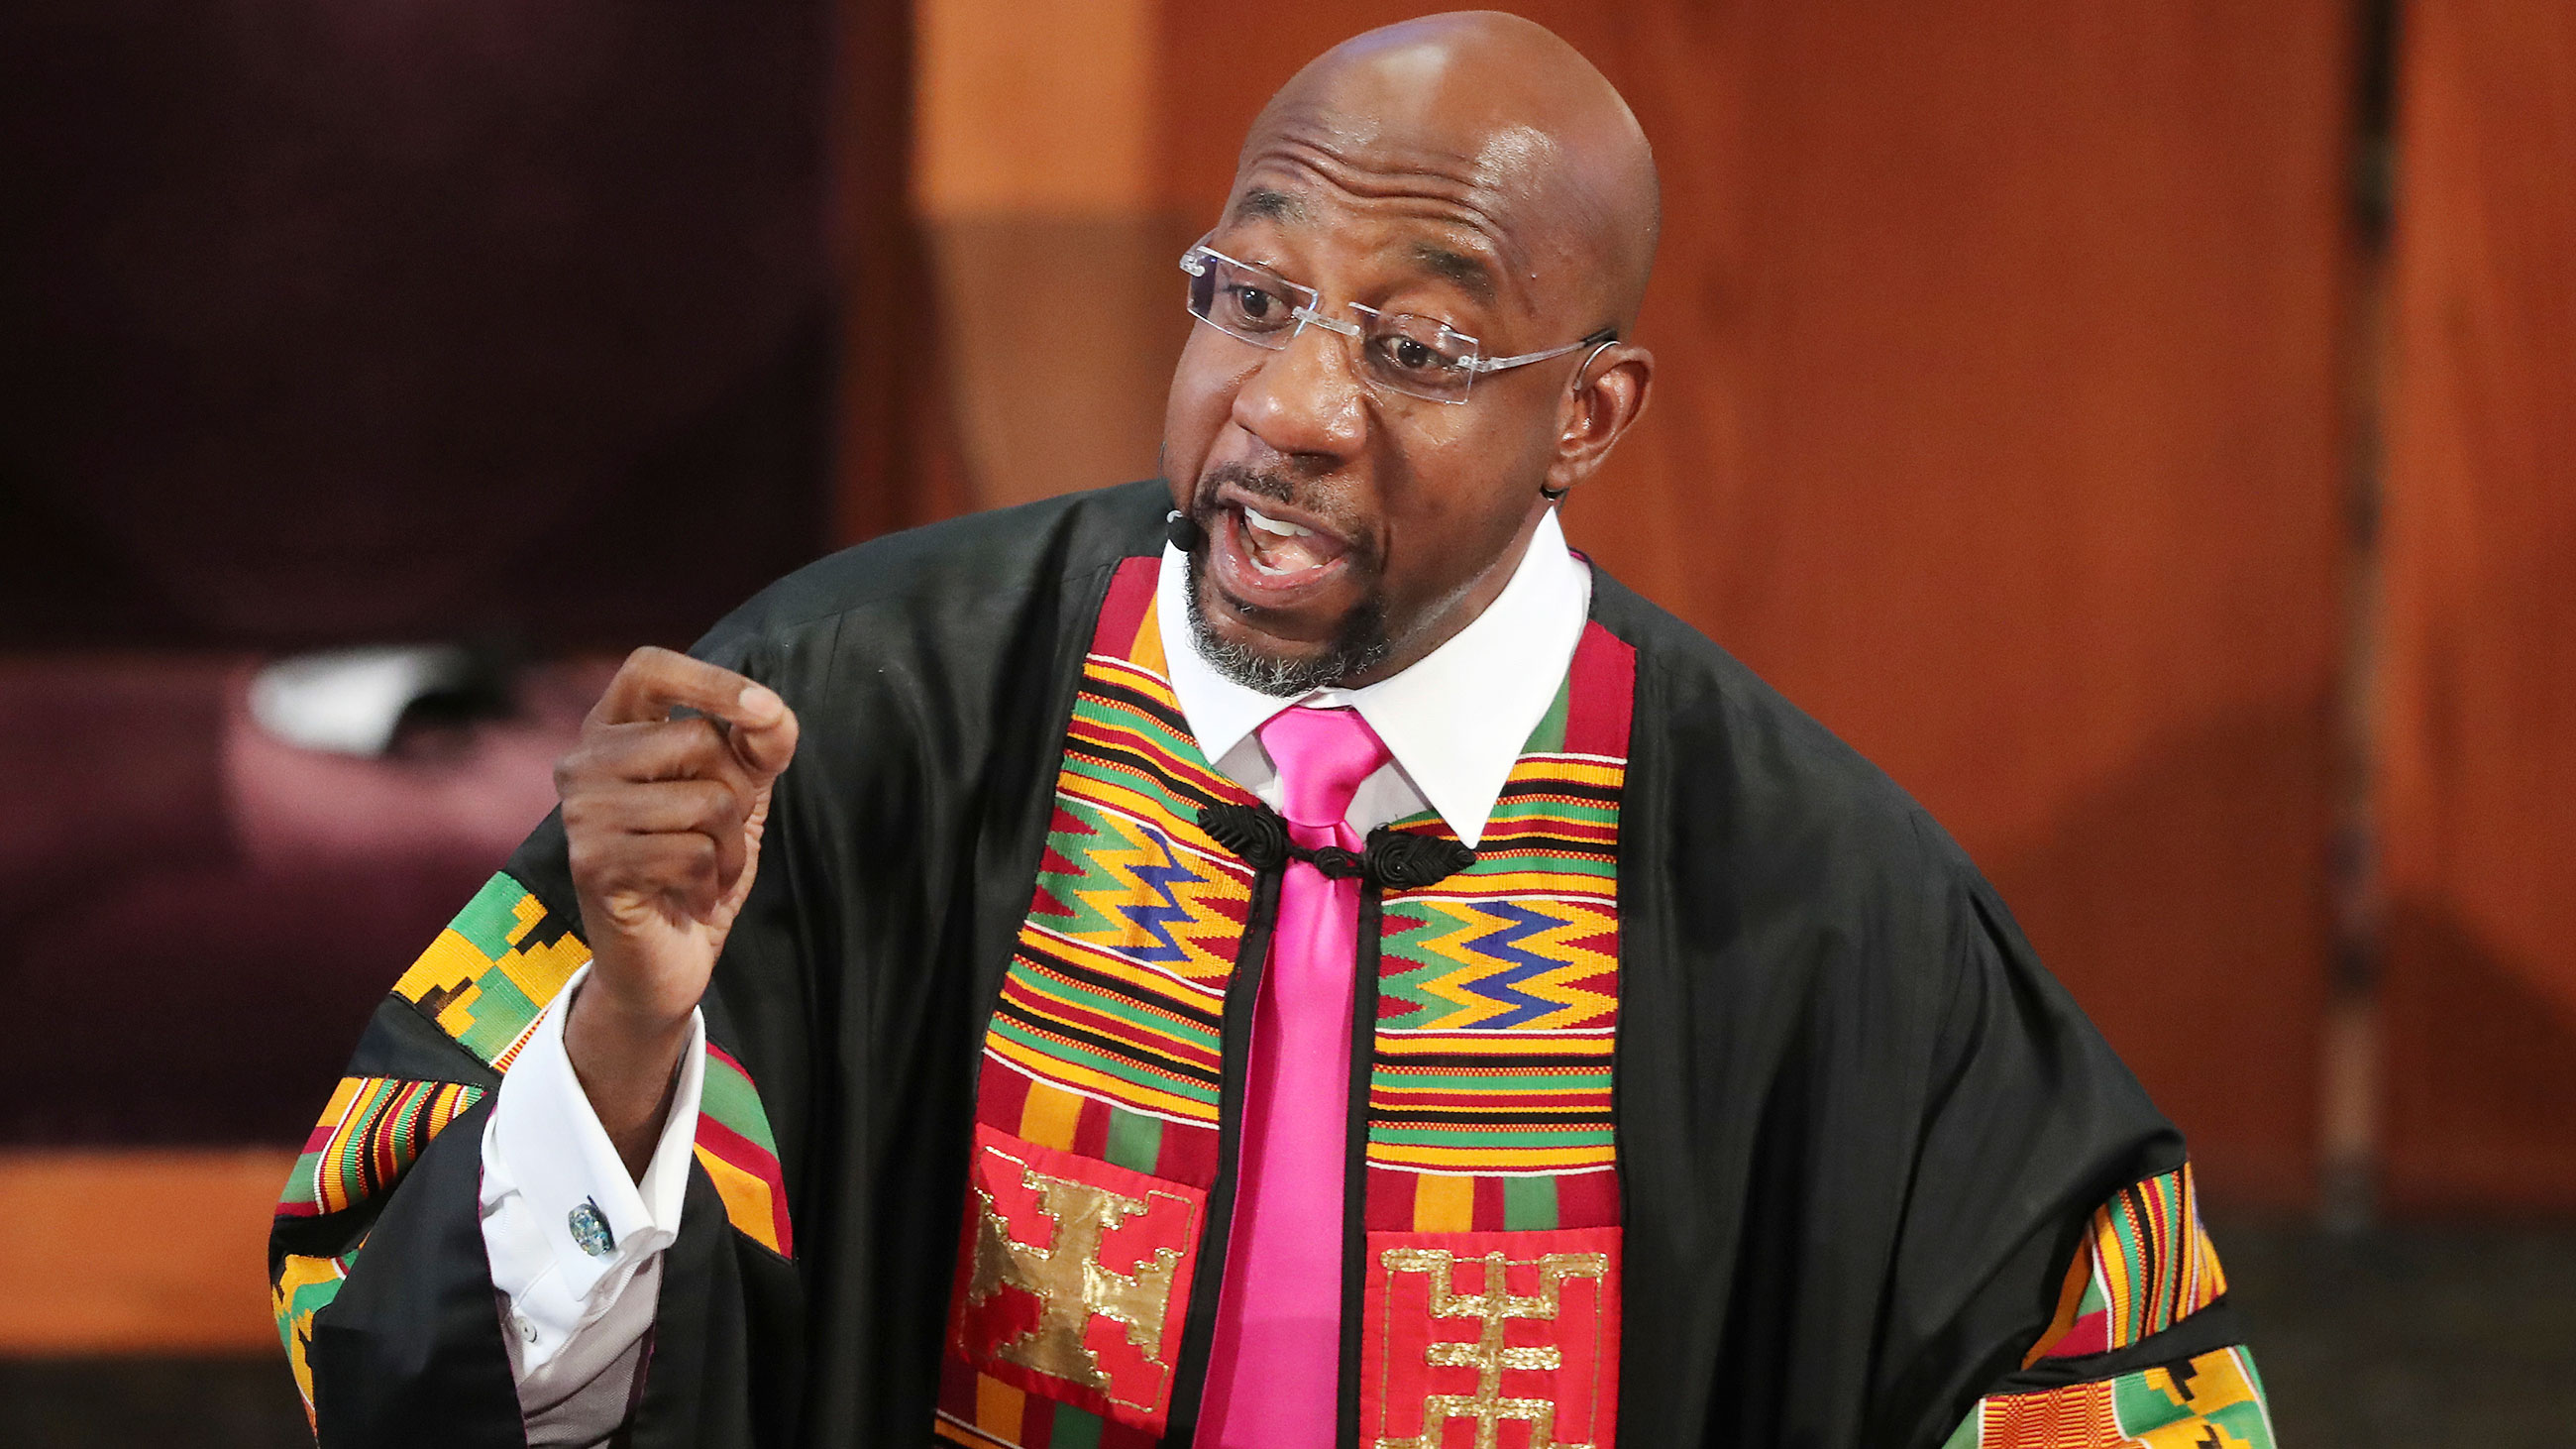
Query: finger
<point x="653" y="682"/>
<point x="614" y="863"/>
<point x="679" y="749"/>
<point x="678" y="867"/>
<point x="712" y="808"/>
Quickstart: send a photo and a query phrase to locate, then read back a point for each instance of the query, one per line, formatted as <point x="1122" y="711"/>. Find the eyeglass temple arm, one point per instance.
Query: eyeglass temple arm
<point x="1602" y="338"/>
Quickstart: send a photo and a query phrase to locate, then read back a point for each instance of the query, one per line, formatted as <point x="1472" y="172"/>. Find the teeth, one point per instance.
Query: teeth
<point x="1273" y="526"/>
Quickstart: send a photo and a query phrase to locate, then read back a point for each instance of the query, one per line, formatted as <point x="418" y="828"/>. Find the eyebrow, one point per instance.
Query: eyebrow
<point x="1469" y="272"/>
<point x="1264" y="204"/>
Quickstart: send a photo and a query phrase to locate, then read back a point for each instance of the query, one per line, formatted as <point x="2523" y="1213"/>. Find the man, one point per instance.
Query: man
<point x="1327" y="969"/>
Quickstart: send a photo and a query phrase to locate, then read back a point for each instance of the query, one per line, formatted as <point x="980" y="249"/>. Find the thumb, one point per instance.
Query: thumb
<point x="763" y="736"/>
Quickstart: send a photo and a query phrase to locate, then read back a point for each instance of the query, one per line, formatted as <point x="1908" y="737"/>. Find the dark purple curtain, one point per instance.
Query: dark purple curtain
<point x="332" y="322"/>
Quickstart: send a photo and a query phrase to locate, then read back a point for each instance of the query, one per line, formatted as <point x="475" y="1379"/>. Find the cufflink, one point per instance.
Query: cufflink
<point x="589" y="1227"/>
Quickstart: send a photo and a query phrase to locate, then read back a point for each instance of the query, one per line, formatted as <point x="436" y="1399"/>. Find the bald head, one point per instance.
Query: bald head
<point x="1495" y="119"/>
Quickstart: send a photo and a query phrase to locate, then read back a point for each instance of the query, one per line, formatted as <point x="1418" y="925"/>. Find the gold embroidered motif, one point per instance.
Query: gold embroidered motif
<point x="1068" y="1281"/>
<point x="1487" y="1355"/>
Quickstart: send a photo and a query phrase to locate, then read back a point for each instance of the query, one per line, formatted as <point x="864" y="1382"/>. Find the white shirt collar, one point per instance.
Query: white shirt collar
<point x="1455" y="721"/>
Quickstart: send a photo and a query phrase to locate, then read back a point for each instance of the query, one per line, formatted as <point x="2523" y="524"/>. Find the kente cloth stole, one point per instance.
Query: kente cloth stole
<point x="1481" y="1292"/>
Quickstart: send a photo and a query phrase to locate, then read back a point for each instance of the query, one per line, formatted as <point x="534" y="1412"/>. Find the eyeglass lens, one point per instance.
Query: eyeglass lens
<point x="1418" y="356"/>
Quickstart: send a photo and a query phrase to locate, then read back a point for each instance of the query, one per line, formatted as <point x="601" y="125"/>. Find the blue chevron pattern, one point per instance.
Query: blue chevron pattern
<point x="1502" y="987"/>
<point x="1156" y="919"/>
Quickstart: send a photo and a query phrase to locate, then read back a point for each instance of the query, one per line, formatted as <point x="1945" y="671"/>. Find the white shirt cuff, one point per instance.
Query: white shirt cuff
<point x="565" y="1226"/>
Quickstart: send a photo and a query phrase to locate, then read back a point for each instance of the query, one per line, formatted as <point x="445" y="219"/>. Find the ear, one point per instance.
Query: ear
<point x="1606" y="399"/>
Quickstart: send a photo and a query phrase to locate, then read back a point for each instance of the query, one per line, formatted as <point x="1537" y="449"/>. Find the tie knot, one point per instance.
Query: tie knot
<point x="1322" y="755"/>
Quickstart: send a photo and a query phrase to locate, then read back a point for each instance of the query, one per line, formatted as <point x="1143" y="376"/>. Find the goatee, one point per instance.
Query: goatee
<point x="1360" y="646"/>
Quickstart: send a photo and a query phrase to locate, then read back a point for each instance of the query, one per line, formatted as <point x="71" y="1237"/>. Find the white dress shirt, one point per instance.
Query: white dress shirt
<point x="576" y="1316"/>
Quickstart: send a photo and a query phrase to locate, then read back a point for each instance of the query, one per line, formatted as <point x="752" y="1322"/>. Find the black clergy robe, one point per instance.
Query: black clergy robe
<point x="1871" y="1164"/>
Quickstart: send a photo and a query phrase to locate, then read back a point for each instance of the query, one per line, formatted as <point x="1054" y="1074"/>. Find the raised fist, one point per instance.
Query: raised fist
<point x="663" y="817"/>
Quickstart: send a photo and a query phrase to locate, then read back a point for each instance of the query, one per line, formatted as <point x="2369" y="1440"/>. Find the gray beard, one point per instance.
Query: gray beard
<point x="1361" y="646"/>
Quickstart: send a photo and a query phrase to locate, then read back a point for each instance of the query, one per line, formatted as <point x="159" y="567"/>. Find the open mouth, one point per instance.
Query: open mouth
<point x="1279" y="548"/>
<point x="1273" y="556"/>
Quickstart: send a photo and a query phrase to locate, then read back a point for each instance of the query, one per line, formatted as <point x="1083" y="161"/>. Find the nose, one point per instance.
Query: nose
<point x="1305" y="399"/>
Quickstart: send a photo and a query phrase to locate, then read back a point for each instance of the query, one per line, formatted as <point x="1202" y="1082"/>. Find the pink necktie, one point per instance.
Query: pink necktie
<point x="1274" y="1368"/>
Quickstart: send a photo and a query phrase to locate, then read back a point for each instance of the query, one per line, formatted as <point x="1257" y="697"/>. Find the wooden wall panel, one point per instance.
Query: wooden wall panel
<point x="2479" y="759"/>
<point x="895" y="453"/>
<point x="1033" y="175"/>
<point x="1997" y="424"/>
<point x="153" y="1252"/>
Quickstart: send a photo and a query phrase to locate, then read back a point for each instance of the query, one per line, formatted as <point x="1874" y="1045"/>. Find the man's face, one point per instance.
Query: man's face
<point x="1350" y="527"/>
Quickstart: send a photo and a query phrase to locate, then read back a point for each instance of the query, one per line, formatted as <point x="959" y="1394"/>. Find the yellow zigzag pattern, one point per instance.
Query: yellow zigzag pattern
<point x="1205" y="934"/>
<point x="1554" y="985"/>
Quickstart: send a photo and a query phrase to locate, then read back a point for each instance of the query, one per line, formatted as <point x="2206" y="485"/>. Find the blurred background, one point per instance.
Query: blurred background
<point x="2146" y="430"/>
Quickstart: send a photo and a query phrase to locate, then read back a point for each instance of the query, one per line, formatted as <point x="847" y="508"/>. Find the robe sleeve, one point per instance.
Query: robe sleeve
<point x="2137" y="1345"/>
<point x="381" y="1282"/>
<point x="2141" y="1349"/>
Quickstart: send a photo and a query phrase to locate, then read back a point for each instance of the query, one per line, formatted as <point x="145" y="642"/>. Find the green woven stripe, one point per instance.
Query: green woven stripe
<point x="1149" y="735"/>
<point x="1157" y="1052"/>
<point x="1135" y="1140"/>
<point x="407" y="1119"/>
<point x="2133" y="1252"/>
<point x="489" y="918"/>
<point x="2245" y="1421"/>
<point x="500" y="1014"/>
<point x="1162" y="737"/>
<point x="1555" y="1082"/>
<point x="1409" y="1135"/>
<point x="2174" y="1229"/>
<point x="1502" y="864"/>
<point x="729" y="1097"/>
<point x="352" y="1150"/>
<point x="1118" y="1067"/>
<point x="1529" y="1203"/>
<point x="1511" y="811"/>
<point x="304" y="1183"/>
<point x="1126" y="1009"/>
<point x="1151" y="788"/>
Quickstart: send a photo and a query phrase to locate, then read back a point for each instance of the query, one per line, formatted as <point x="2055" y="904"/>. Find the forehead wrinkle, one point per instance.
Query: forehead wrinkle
<point x="1450" y="183"/>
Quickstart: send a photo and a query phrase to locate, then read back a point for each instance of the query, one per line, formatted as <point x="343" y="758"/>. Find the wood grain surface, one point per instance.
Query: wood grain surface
<point x="2479" y="756"/>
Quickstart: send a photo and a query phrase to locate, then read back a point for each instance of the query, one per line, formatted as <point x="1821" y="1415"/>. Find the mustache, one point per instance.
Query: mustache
<point x="1259" y="482"/>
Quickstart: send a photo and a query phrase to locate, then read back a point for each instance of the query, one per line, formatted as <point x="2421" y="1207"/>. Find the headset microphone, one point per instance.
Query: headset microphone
<point x="1184" y="532"/>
